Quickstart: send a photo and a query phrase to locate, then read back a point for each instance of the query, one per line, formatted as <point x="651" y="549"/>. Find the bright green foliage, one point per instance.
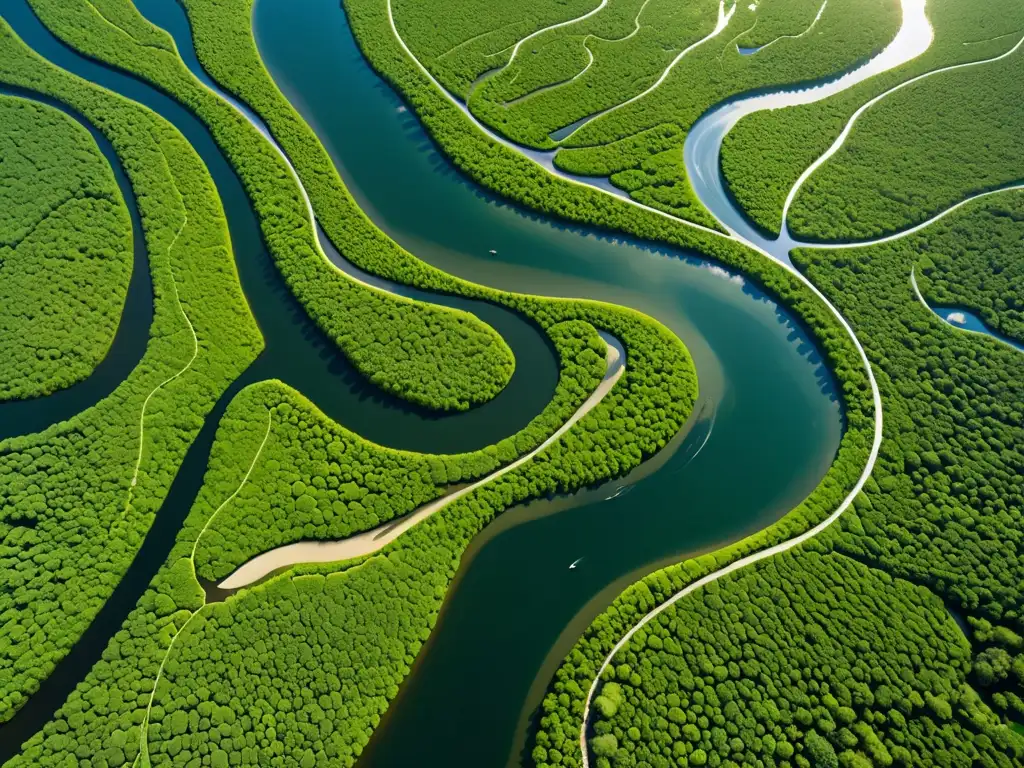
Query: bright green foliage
<point x="70" y="519"/>
<point x="998" y="668"/>
<point x="976" y="262"/>
<point x="774" y="22"/>
<point x="464" y="42"/>
<point x="428" y="354"/>
<point x="710" y="73"/>
<point x="102" y="717"/>
<point x="803" y="655"/>
<point x="65" y="250"/>
<point x="508" y="173"/>
<point x="621" y="155"/>
<point x="398" y="607"/>
<point x="947" y="509"/>
<point x="224" y="43"/>
<point x="942" y="511"/>
<point x="318" y="481"/>
<point x="364" y="625"/>
<point x="764" y="155"/>
<point x="624" y="65"/>
<point x="918" y="152"/>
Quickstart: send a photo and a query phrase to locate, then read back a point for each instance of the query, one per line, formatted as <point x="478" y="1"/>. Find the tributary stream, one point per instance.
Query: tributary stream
<point x="768" y="422"/>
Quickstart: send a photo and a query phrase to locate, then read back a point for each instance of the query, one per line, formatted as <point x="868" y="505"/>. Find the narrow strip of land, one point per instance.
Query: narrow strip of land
<point x="724" y="17"/>
<point x="144" y="730"/>
<point x="542" y="30"/>
<point x="377" y="538"/>
<point x="165" y="382"/>
<point x="790" y="37"/>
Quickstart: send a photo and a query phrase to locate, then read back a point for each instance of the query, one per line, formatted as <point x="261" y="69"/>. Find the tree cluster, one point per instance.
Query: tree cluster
<point x="915" y="154"/>
<point x="65" y="250"/>
<point x="68" y="530"/>
<point x="475" y="36"/>
<point x="975" y="262"/>
<point x="102" y="719"/>
<point x="317" y="481"/>
<point x="764" y="155"/>
<point x="942" y="512"/>
<point x="362" y="623"/>
<point x="425" y="353"/>
<point x="709" y="74"/>
<point x="805" y="660"/>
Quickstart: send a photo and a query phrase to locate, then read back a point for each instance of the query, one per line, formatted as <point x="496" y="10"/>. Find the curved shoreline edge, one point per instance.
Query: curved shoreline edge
<point x="129" y="340"/>
<point x="988" y="333"/>
<point x="761" y="554"/>
<point x="844" y="135"/>
<point x="628" y="316"/>
<point x="369" y="542"/>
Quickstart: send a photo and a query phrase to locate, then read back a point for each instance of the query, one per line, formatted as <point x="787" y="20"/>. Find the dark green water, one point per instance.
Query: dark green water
<point x="296" y="351"/>
<point x="516" y="609"/>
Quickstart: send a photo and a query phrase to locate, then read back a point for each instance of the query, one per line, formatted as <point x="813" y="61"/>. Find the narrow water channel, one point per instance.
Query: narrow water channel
<point x="768" y="414"/>
<point x="297" y="352"/>
<point x="19" y="417"/>
<point x="769" y="421"/>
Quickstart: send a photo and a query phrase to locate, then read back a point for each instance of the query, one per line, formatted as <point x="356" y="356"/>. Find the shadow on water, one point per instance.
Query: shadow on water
<point x="515" y="607"/>
<point x="298" y="352"/>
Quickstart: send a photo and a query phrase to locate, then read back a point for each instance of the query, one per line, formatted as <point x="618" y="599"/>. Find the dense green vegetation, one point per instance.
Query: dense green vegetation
<point x="942" y="512"/>
<point x="632" y="43"/>
<point x="476" y="36"/>
<point x="225" y="46"/>
<point x="975" y="262"/>
<point x="911" y="155"/>
<point x="317" y="481"/>
<point x="428" y="354"/>
<point x="65" y="250"/>
<point x="764" y="155"/>
<point x="998" y="668"/>
<point x="846" y="33"/>
<point x="840" y="653"/>
<point x="367" y="627"/>
<point x="623" y="66"/>
<point x="72" y="514"/>
<point x="773" y="21"/>
<point x="519" y="179"/>
<point x="102" y="718"/>
<point x="806" y="659"/>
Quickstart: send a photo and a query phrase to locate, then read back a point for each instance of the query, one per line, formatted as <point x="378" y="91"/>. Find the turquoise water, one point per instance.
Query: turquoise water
<point x="966" y="320"/>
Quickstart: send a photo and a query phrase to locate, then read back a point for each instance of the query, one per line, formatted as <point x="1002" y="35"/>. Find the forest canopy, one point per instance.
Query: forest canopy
<point x="65" y="250"/>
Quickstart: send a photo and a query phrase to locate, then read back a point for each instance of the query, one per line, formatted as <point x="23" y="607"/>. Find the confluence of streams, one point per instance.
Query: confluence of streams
<point x="913" y="39"/>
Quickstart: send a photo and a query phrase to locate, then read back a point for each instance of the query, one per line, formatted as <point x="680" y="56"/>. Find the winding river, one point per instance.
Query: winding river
<point x="767" y="407"/>
<point x="621" y="531"/>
